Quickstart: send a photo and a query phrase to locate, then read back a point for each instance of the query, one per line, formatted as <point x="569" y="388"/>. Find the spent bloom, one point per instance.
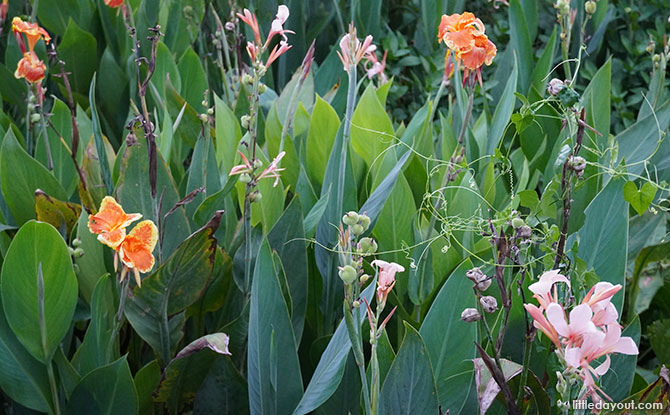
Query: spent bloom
<point x="464" y="35"/>
<point x="271" y="170"/>
<point x="590" y="332"/>
<point x="386" y="279"/>
<point x="353" y="50"/>
<point x="555" y="86"/>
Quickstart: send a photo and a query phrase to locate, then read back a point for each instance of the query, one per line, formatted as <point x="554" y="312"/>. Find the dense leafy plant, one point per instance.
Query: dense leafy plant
<point x="252" y="207"/>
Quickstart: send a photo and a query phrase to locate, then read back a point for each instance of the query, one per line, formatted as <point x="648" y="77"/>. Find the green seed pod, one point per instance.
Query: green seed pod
<point x="517" y="223"/>
<point x="348" y="274"/>
<point x="356" y="303"/>
<point x="78" y="253"/>
<point x="76" y="242"/>
<point x="357" y="229"/>
<point x="590" y="7"/>
<point x="35" y="118"/>
<point x="350" y="219"/>
<point x="364" y="220"/>
<point x="247" y="79"/>
<point x="368" y="246"/>
<point x="204" y="118"/>
<point x="245" y="178"/>
<point x="244" y="120"/>
<point x="210" y="111"/>
<point x="364" y="278"/>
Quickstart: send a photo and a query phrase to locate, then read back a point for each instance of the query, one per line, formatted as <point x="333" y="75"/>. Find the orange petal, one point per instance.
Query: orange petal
<point x="110" y="217"/>
<point x="114" y="238"/>
<point x="135" y="250"/>
<point x="474" y="58"/>
<point x="461" y="41"/>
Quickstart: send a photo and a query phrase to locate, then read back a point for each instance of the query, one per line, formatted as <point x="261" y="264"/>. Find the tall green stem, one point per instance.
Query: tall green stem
<point x="353" y="328"/>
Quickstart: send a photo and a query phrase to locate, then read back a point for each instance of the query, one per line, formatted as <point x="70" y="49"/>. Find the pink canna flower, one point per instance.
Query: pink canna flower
<point x="602" y="291"/>
<point x="386" y="279"/>
<point x="542" y="288"/>
<point x="277" y="51"/>
<point x="249" y="18"/>
<point x="377" y="67"/>
<point x="604" y="313"/>
<point x="580" y="322"/>
<point x="541" y="323"/>
<point x="247" y="168"/>
<point x="277" y="25"/>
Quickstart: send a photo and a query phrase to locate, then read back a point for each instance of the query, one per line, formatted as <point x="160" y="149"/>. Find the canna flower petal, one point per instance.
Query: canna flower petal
<point x="542" y="288"/>
<point x="32" y="31"/>
<point x="110" y="222"/>
<point x="464" y="34"/>
<point x="31" y="68"/>
<point x="249" y="18"/>
<point x="114" y="3"/>
<point x="541" y="323"/>
<point x="136" y="249"/>
<point x="386" y="279"/>
<point x="602" y="291"/>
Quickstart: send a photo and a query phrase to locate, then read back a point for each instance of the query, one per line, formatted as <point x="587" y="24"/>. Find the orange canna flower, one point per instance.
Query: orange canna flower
<point x="114" y="3"/>
<point x="464" y="35"/>
<point x="32" y="31"/>
<point x="31" y="68"/>
<point x="110" y="222"/>
<point x="136" y="249"/>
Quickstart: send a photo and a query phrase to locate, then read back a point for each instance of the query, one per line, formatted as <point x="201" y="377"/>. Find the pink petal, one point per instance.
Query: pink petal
<point x="604" y="367"/>
<point x="573" y="356"/>
<point x="580" y="319"/>
<point x="626" y="345"/>
<point x="282" y="13"/>
<point x="556" y="317"/>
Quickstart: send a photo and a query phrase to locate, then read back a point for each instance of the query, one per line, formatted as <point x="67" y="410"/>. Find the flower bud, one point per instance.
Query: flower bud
<point x="367" y="246"/>
<point x="356" y="303"/>
<point x="258" y="163"/>
<point x="563" y="6"/>
<point x="656" y="58"/>
<point x="245" y="178"/>
<point x="470" y="315"/>
<point x="348" y="274"/>
<point x="489" y="303"/>
<point x="517" y="223"/>
<point x="247" y="79"/>
<point x="262" y="88"/>
<point x="651" y="46"/>
<point x="210" y="111"/>
<point x="561" y="384"/>
<point x="590" y="7"/>
<point x="255" y="197"/>
<point x="350" y="219"/>
<point x="204" y="117"/>
<point x="364" y="278"/>
<point x="35" y="118"/>
<point x="357" y="229"/>
<point x="204" y="103"/>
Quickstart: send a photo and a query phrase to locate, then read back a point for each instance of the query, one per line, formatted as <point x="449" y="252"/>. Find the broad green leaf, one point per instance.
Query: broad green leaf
<point x="659" y="337"/>
<point x="329" y="371"/>
<point x="604" y="237"/>
<point x="113" y="86"/>
<point x="146" y="380"/>
<point x="91" y="266"/>
<point x="421" y="273"/>
<point x="78" y="49"/>
<point x="55" y="15"/>
<point x="409" y="387"/>
<point x="20" y="176"/>
<point x="222" y="391"/>
<point x="228" y="135"/>
<point x="39" y="292"/>
<point x="314" y="216"/>
<point x="544" y="64"/>
<point x="61" y="215"/>
<point x="521" y="44"/>
<point x="322" y="131"/>
<point x="99" y="141"/>
<point x="193" y="79"/>
<point x="618" y="380"/>
<point x="450" y="343"/>
<point x="60" y="143"/>
<point x="203" y="173"/>
<point x="371" y="128"/>
<point x="134" y="193"/>
<point x="106" y="390"/>
<point x="98" y="349"/>
<point x="22" y="378"/>
<point x="275" y="383"/>
<point x="287" y="238"/>
<point x="174" y="286"/>
<point x="638" y="142"/>
<point x="639" y="199"/>
<point x="166" y="68"/>
<point x="503" y="111"/>
<point x="290" y="164"/>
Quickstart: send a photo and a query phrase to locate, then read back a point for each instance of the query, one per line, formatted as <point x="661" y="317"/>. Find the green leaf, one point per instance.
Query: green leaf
<point x="203" y="173"/>
<point x="134" y="193"/>
<point x="329" y="371"/>
<point x="92" y="264"/>
<point x="618" y="380"/>
<point x="638" y="142"/>
<point x="544" y="63"/>
<point x="78" y="49"/>
<point x="106" y="390"/>
<point x="61" y="215"/>
<point x="521" y="43"/>
<point x="371" y="128"/>
<point x="529" y="198"/>
<point x="275" y="383"/>
<point x="287" y="238"/>
<point x="95" y="351"/>
<point x="421" y="274"/>
<point x="409" y="387"/>
<point x="639" y="199"/>
<point x="55" y="15"/>
<point x="174" y="286"/>
<point x="146" y="380"/>
<point x="193" y="79"/>
<point x="228" y="135"/>
<point x="503" y="112"/>
<point x="604" y="237"/>
<point x="450" y="343"/>
<point x="322" y="131"/>
<point x="314" y="216"/>
<point x="22" y="378"/>
<point x="20" y="176"/>
<point x="28" y="302"/>
<point x="99" y="142"/>
<point x="659" y="337"/>
<point x="222" y="390"/>
<point x="166" y="68"/>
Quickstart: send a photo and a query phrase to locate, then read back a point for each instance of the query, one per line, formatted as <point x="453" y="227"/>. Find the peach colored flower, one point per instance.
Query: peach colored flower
<point x="110" y="222"/>
<point x="464" y="35"/>
<point x="353" y="50"/>
<point x="32" y="31"/>
<point x="542" y="288"/>
<point x="136" y="249"/>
